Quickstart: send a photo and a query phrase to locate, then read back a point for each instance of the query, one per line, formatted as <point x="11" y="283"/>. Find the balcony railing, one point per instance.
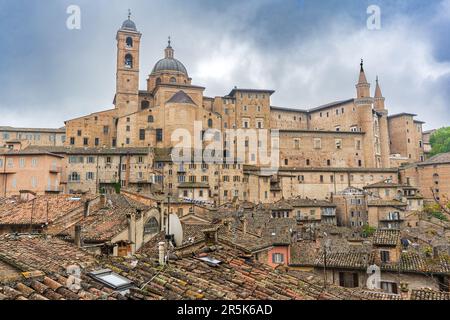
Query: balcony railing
<point x="7" y="170"/>
<point x="55" y="169"/>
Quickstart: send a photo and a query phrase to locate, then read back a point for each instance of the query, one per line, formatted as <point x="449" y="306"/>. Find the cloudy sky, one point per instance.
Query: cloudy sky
<point x="306" y="50"/>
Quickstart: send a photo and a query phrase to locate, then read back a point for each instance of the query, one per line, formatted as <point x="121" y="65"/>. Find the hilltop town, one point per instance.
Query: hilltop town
<point x="332" y="202"/>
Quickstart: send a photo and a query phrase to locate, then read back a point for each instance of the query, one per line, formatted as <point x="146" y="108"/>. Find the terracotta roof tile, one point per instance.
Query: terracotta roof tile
<point x="426" y="294"/>
<point x="13" y="211"/>
<point x="386" y="237"/>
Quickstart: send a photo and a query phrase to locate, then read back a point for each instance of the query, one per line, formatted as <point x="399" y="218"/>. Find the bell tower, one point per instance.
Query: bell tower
<point x="127" y="75"/>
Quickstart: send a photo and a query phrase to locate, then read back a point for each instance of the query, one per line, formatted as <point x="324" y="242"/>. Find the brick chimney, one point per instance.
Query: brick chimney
<point x="244" y="225"/>
<point x="131" y="218"/>
<point x="211" y="236"/>
<point x="87" y="208"/>
<point x="77" y="238"/>
<point x="404" y="291"/>
<point x="102" y="200"/>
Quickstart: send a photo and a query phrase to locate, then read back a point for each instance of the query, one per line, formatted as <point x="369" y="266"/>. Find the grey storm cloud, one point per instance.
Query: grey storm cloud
<point x="308" y="51"/>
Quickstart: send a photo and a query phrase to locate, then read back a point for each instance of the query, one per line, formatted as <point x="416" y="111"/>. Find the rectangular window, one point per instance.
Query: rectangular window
<point x="358" y="144"/>
<point x="97" y="142"/>
<point x="317" y="143"/>
<point x="33" y="182"/>
<point x="389" y="287"/>
<point x="79" y="133"/>
<point x="90" y="175"/>
<point x="142" y="134"/>
<point x="105" y="129"/>
<point x="85" y="141"/>
<point x="90" y="160"/>
<point x="277" y="258"/>
<point x="72" y="141"/>
<point x="159" y="135"/>
<point x="385" y="256"/>
<point x="22" y="162"/>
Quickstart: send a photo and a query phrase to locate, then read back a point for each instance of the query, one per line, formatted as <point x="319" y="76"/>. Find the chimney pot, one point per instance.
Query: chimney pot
<point x="103" y="200"/>
<point x="162" y="253"/>
<point x="77" y="238"/>
<point x="244" y="225"/>
<point x="86" y="209"/>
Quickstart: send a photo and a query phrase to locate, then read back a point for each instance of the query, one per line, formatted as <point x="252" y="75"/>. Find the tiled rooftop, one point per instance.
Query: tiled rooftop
<point x="386" y="237"/>
<point x="386" y="203"/>
<point x="13" y="211"/>
<point x="234" y="277"/>
<point x="350" y="260"/>
<point x="425" y="294"/>
<point x="105" y="223"/>
<point x="437" y="159"/>
<point x="28" y="253"/>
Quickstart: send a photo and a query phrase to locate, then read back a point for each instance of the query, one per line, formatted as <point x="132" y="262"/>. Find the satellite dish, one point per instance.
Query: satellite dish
<point x="176" y="229"/>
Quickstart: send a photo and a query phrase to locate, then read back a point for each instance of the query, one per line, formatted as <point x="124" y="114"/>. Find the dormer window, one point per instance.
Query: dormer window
<point x="129" y="61"/>
<point x="129" y="42"/>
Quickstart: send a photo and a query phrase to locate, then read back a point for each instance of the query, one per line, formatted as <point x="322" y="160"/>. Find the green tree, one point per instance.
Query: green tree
<point x="368" y="231"/>
<point x="440" y="141"/>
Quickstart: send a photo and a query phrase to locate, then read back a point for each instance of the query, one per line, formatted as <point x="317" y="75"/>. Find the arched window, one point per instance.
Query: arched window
<point x="173" y="80"/>
<point x="129" y="61"/>
<point x="150" y="119"/>
<point x="210" y="123"/>
<point x="152" y="226"/>
<point x="74" y="176"/>
<point x="145" y="104"/>
<point x="129" y="42"/>
<point x="158" y="81"/>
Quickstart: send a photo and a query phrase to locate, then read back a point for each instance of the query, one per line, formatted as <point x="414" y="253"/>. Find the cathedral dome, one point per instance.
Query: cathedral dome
<point x="129" y="25"/>
<point x="169" y="63"/>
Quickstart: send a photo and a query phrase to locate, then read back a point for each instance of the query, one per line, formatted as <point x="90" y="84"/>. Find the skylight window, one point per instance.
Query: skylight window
<point x="211" y="261"/>
<point x="112" y="280"/>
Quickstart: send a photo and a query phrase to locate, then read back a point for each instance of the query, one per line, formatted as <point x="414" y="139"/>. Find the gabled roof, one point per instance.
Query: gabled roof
<point x="331" y="105"/>
<point x="43" y="209"/>
<point x="181" y="97"/>
<point x="385" y="184"/>
<point x="386" y="203"/>
<point x="310" y="203"/>
<point x="426" y="294"/>
<point x="386" y="237"/>
<point x="103" y="224"/>
<point x="33" y="130"/>
<point x="402" y="115"/>
<point x="442" y="158"/>
<point x="236" y="90"/>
